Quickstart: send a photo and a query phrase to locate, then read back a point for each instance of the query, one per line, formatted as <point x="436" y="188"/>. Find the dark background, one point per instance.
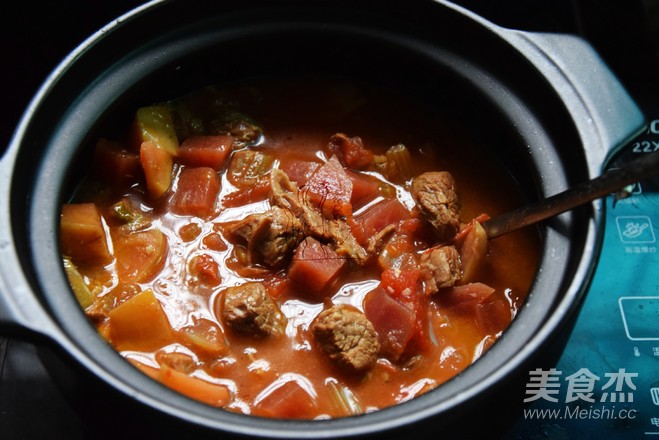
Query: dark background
<point x="36" y="36"/>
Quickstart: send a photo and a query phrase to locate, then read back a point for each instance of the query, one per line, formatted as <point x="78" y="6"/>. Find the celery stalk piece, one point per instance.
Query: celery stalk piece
<point x="80" y="289"/>
<point x="345" y="401"/>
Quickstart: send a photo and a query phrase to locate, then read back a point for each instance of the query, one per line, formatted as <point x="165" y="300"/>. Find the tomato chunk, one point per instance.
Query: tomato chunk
<point x="205" y="151"/>
<point x="205" y="270"/>
<point x="140" y="255"/>
<point x="351" y="151"/>
<point x="330" y="189"/>
<point x="401" y="284"/>
<point x="314" y="267"/>
<point x="140" y="324"/>
<point x="196" y="192"/>
<point x="82" y="234"/>
<point x="260" y="190"/>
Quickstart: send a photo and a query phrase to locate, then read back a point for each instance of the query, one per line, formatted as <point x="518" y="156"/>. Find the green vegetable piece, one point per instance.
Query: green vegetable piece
<point x="346" y="402"/>
<point x="248" y="167"/>
<point x="133" y="220"/>
<point x="80" y="289"/>
<point x="399" y="163"/>
<point x="156" y="124"/>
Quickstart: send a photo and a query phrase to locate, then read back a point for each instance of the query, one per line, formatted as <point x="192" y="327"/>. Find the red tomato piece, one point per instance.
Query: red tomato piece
<point x="255" y="193"/>
<point x="330" y="189"/>
<point x="189" y="232"/>
<point x="401" y="284"/>
<point x="205" y="269"/>
<point x="140" y="255"/>
<point x="314" y="267"/>
<point x="288" y="400"/>
<point x="351" y="151"/>
<point x="205" y="151"/>
<point x="394" y="322"/>
<point x="196" y="192"/>
<point x="157" y="165"/>
<point x="214" y="242"/>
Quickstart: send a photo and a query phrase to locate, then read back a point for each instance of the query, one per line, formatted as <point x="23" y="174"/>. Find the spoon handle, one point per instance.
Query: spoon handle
<point x="611" y="181"/>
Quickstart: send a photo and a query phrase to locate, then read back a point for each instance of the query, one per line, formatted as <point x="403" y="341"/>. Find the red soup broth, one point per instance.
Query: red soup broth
<point x="211" y="235"/>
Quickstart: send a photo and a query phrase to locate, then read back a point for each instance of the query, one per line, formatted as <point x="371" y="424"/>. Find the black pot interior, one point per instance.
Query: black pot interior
<point x="430" y="52"/>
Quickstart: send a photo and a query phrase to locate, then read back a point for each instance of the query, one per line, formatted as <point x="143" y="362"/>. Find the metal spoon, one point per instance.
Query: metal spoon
<point x="609" y="182"/>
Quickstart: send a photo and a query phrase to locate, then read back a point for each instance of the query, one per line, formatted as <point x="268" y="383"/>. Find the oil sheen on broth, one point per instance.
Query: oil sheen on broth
<point x="295" y="249"/>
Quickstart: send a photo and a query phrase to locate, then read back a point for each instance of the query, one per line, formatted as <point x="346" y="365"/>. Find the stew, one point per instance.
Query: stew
<point x="295" y="249"/>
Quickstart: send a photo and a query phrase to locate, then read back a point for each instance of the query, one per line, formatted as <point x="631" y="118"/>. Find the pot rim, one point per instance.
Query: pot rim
<point x="381" y="420"/>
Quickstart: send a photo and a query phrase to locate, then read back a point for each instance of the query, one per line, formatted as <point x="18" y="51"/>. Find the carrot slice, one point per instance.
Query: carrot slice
<point x="196" y="192"/>
<point x="140" y="324"/>
<point x="207" y="392"/>
<point x="158" y="166"/>
<point x="205" y="151"/>
<point x="193" y="387"/>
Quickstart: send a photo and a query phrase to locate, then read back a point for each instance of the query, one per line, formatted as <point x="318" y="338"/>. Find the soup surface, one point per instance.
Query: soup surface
<point x="303" y="249"/>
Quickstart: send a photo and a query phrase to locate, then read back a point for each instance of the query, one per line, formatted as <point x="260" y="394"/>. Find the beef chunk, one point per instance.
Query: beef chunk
<point x="271" y="236"/>
<point x="377" y="242"/>
<point x="440" y="267"/>
<point x="249" y="309"/>
<point x="347" y="337"/>
<point x="437" y="199"/>
<point x="286" y="195"/>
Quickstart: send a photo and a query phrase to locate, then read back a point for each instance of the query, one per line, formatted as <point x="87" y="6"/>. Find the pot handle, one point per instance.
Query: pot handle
<point x="589" y="88"/>
<point x="21" y="313"/>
